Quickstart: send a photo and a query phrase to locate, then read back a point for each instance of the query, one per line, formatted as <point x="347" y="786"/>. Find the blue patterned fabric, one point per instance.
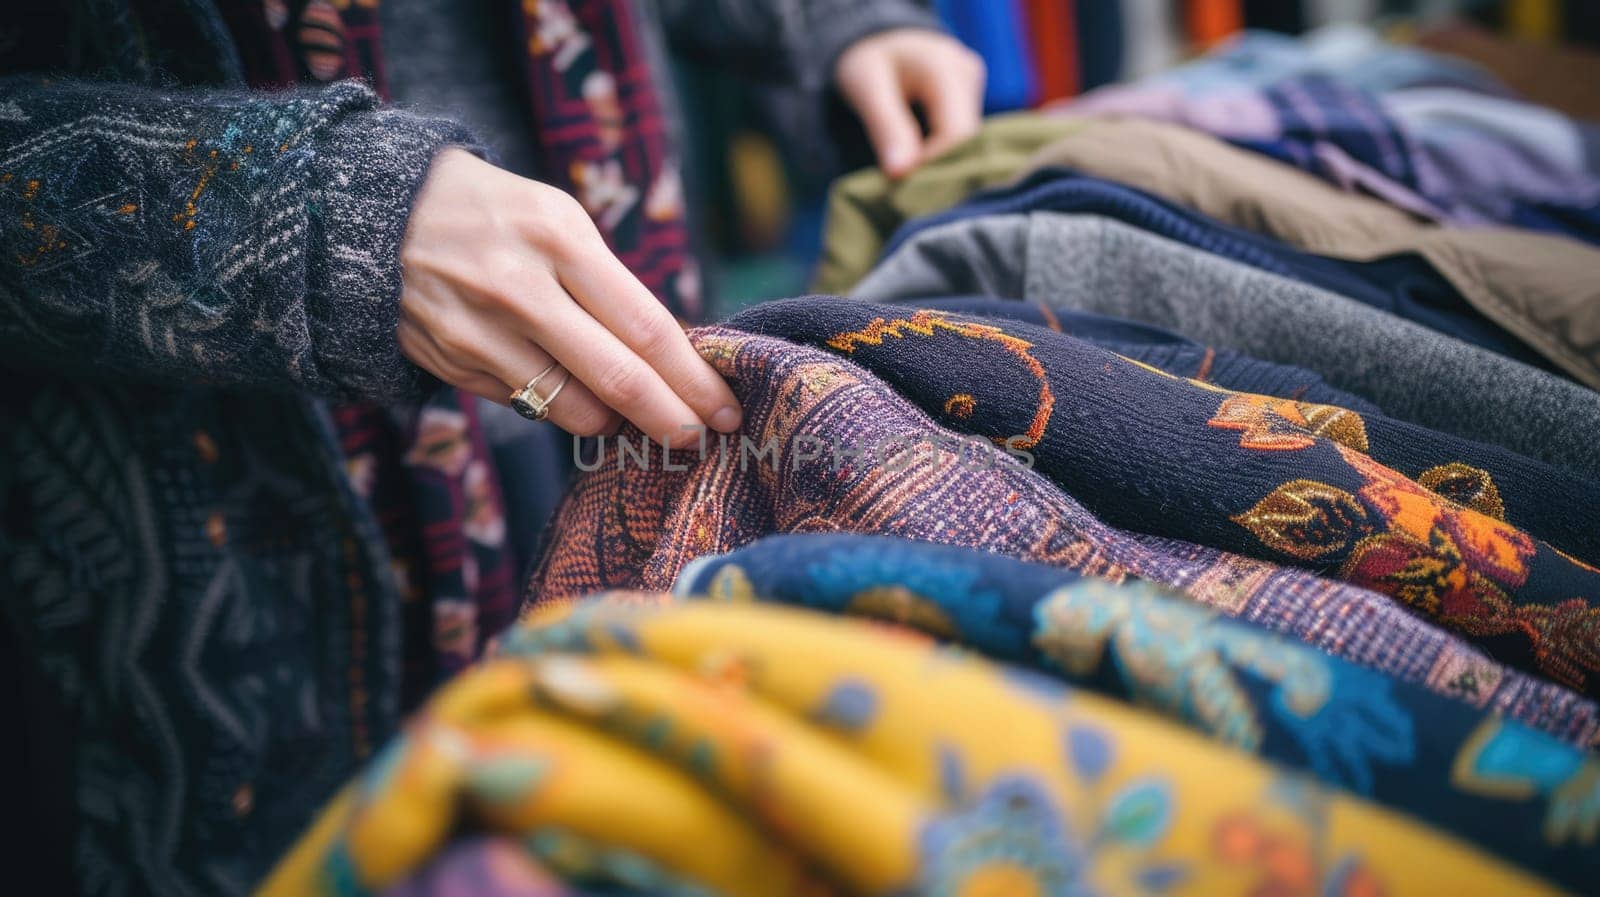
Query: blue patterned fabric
<point x="1313" y="110"/>
<point x="1512" y="791"/>
<point x="1404" y="285"/>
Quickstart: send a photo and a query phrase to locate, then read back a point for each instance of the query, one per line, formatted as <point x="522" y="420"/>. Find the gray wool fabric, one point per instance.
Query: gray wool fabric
<point x="1091" y="263"/>
<point x="461" y="60"/>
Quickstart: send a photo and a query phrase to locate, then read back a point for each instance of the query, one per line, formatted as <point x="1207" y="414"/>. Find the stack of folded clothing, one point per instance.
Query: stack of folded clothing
<point x="1198" y="493"/>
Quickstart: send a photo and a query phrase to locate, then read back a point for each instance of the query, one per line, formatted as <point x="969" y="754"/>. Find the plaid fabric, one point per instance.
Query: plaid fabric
<point x="631" y="525"/>
<point x="1436" y="140"/>
<point x="1342" y="133"/>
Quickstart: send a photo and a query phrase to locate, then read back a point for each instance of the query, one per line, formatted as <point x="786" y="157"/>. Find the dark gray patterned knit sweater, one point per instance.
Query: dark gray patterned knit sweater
<point x="202" y="600"/>
<point x="215" y="237"/>
<point x="197" y="609"/>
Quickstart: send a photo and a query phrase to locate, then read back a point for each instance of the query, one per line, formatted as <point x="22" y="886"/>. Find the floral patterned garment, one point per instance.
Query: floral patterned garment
<point x="827" y="446"/>
<point x="481" y="866"/>
<point x="1394" y="742"/>
<point x="762" y="750"/>
<point x="1474" y="538"/>
<point x="428" y="478"/>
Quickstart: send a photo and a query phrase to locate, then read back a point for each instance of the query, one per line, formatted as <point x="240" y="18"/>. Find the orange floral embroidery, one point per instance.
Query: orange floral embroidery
<point x="1308" y="520"/>
<point x="1497" y="548"/>
<point x="1457" y="564"/>
<point x="926" y="323"/>
<point x="1272" y="424"/>
<point x="960" y="405"/>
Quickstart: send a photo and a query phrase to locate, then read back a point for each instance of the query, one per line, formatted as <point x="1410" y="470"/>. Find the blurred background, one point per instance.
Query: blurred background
<point x="762" y="161"/>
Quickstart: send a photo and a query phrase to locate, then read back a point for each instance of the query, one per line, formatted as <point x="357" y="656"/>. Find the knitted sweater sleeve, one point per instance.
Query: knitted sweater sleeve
<point x="224" y="238"/>
<point x="792" y="40"/>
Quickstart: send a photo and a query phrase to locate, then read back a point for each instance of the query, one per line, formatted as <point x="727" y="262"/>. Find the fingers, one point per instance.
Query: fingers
<point x="542" y="315"/>
<point x="495" y="269"/>
<point x="617" y="377"/>
<point x="574" y="409"/>
<point x="872" y="87"/>
<point x="951" y="91"/>
<point x="616" y="299"/>
<point x="511" y="363"/>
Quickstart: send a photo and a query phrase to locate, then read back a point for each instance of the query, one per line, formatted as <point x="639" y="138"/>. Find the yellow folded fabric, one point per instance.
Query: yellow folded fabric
<point x="765" y="750"/>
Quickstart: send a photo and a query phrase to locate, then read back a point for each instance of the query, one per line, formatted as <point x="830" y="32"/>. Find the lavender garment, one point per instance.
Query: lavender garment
<point x="624" y="526"/>
<point x="1443" y="152"/>
<point x="482" y="866"/>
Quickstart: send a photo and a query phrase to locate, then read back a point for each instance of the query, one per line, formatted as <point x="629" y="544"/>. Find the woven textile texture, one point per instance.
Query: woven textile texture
<point x="1402" y="283"/>
<point x="1097" y="264"/>
<point x="1392" y="742"/>
<point x="841" y="458"/>
<point x="1538" y="287"/>
<point x="188" y="567"/>
<point x="763" y="750"/>
<point x="1449" y="528"/>
<point x="208" y="610"/>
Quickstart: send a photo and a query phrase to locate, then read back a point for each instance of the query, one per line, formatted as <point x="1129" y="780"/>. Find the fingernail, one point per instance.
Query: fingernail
<point x="726" y="420"/>
<point x="898" y="160"/>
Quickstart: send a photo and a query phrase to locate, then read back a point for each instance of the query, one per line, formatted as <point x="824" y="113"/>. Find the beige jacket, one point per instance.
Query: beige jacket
<point x="1545" y="289"/>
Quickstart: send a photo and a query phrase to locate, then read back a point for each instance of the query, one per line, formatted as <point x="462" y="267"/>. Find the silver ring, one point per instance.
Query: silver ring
<point x="530" y="404"/>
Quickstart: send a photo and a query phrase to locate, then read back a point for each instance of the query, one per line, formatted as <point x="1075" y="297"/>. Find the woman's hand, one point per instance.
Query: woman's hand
<point x="880" y="77"/>
<point x="503" y="276"/>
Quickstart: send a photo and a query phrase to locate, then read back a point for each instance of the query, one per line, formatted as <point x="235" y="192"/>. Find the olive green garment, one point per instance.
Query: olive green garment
<point x="1543" y="288"/>
<point x="866" y="207"/>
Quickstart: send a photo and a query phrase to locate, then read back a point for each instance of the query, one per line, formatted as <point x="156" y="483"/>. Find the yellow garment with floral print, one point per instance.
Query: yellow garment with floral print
<point x="764" y="750"/>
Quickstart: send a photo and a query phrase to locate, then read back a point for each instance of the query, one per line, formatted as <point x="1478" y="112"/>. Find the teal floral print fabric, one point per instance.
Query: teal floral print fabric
<point x="1513" y="791"/>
